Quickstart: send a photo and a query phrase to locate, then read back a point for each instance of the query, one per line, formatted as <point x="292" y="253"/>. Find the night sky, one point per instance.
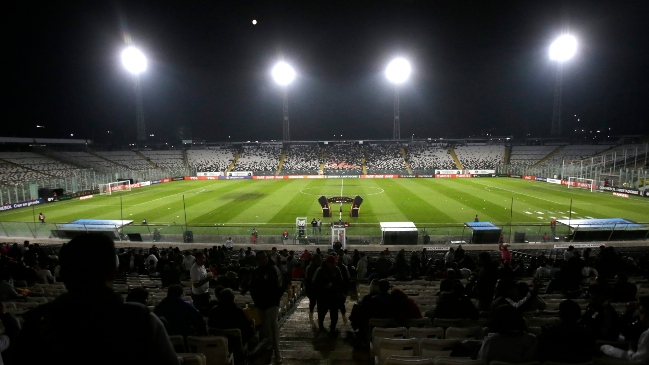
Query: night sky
<point x="478" y="67"/>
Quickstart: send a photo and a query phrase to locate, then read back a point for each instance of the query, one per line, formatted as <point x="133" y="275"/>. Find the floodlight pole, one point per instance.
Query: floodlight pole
<point x="556" y="112"/>
<point x="286" y="134"/>
<point x="139" y="110"/>
<point x="396" y="132"/>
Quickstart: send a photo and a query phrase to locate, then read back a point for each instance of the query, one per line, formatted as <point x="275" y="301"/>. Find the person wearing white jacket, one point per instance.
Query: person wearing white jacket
<point x="639" y="354"/>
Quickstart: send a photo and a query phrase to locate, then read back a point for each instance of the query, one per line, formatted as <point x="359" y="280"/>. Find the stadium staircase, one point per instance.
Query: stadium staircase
<point x="281" y="163"/>
<point x="111" y="161"/>
<point x="508" y="154"/>
<point x="185" y="158"/>
<point x="322" y="158"/>
<point x="363" y="166"/>
<point x="234" y="161"/>
<point x="451" y="151"/>
<point x="547" y="157"/>
<point x="148" y="160"/>
<point x="405" y="160"/>
<point x="299" y="344"/>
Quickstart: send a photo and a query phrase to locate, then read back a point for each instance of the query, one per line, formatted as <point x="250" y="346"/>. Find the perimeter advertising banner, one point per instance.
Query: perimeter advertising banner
<point x="379" y="176"/>
<point x="451" y="176"/>
<point x="448" y="172"/>
<point x="217" y="178"/>
<point x="528" y="177"/>
<point x="629" y="191"/>
<point x="27" y="203"/>
<point x="218" y="173"/>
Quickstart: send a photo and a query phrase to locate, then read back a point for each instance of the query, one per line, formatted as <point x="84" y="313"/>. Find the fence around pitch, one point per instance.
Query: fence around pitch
<point x="273" y="233"/>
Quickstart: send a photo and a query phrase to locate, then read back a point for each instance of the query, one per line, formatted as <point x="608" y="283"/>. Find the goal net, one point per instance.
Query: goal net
<point x="581" y="183"/>
<point x="108" y="189"/>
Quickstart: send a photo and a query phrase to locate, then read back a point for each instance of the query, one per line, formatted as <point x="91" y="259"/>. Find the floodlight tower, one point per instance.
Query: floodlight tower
<point x="397" y="72"/>
<point x="135" y="62"/>
<point x="561" y="50"/>
<point x="283" y="74"/>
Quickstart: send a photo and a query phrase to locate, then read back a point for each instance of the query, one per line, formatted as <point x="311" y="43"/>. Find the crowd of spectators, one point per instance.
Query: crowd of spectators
<point x="210" y="289"/>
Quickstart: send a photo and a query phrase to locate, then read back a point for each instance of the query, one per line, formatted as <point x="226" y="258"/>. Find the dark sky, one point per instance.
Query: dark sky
<point x="478" y="67"/>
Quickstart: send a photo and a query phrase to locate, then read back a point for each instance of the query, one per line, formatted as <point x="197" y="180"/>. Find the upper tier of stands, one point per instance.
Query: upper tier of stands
<point x="26" y="166"/>
<point x="211" y="160"/>
<point x="93" y="160"/>
<point x="480" y="157"/>
<point x="430" y="158"/>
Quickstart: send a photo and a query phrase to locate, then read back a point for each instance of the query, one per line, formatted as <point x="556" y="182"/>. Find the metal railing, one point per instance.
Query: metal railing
<point x="365" y="234"/>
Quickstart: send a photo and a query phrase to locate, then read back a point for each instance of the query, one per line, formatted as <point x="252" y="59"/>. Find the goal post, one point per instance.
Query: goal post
<point x="108" y="189"/>
<point x="582" y="183"/>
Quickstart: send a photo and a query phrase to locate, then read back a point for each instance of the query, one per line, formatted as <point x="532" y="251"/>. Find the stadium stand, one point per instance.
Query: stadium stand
<point x="430" y="158"/>
<point x="126" y="158"/>
<point x="343" y="159"/>
<point x="211" y="160"/>
<point x="166" y="159"/>
<point x="574" y="152"/>
<point x="528" y="155"/>
<point x="259" y="158"/>
<point x="480" y="157"/>
<point x="383" y="158"/>
<point x="302" y="159"/>
<point x="28" y="165"/>
<point x="93" y="160"/>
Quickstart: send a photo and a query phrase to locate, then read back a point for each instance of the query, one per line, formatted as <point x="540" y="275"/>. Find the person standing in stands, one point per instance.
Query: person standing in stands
<point x="41" y="217"/>
<point x="553" y="228"/>
<point x="200" y="284"/>
<point x="328" y="284"/>
<point x="254" y="235"/>
<point x="266" y="289"/>
<point x="319" y="226"/>
<point x="90" y="317"/>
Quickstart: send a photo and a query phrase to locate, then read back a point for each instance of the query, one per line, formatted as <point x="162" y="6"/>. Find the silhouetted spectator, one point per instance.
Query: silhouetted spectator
<point x="455" y="304"/>
<point x="568" y="341"/>
<point x="138" y="295"/>
<point x="181" y="317"/>
<point x="507" y="340"/>
<point x="599" y="317"/>
<point x="622" y="290"/>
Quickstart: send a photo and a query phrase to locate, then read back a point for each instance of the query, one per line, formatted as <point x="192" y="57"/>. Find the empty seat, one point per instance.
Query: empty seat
<point x="380" y="333"/>
<point x="408" y="360"/>
<point x="432" y="347"/>
<point x="396" y="346"/>
<point x="215" y="349"/>
<point x="457" y="361"/>
<point x="426" y="332"/>
<point x="464" y="333"/>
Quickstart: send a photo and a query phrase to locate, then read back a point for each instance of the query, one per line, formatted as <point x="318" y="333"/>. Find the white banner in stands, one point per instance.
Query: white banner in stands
<point x="554" y="181"/>
<point x="218" y="173"/>
<point x="447" y="172"/>
<point x="477" y="172"/>
<point x="240" y="173"/>
<point x="580" y="245"/>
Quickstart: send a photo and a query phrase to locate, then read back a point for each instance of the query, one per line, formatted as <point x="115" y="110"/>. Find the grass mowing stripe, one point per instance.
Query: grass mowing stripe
<point x="427" y="206"/>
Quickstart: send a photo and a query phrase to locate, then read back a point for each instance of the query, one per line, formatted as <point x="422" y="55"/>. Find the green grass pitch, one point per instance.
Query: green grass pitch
<point x="276" y="203"/>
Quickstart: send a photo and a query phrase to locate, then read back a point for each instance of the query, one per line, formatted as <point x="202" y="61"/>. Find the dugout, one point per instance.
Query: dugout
<point x="399" y="233"/>
<point x="483" y="232"/>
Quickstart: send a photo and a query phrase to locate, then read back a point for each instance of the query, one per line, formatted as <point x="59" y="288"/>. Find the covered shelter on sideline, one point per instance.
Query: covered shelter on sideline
<point x="605" y="229"/>
<point x="111" y="228"/>
<point x="483" y="232"/>
<point x="398" y="233"/>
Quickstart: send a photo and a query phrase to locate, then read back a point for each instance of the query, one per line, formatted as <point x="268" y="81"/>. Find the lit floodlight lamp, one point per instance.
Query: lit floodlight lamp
<point x="283" y="73"/>
<point x="563" y="48"/>
<point x="133" y="60"/>
<point x="398" y="71"/>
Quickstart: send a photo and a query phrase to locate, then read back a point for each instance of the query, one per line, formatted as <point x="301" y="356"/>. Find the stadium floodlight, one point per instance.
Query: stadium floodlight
<point x="284" y="74"/>
<point x="398" y="71"/>
<point x="134" y="60"/>
<point x="563" y="48"/>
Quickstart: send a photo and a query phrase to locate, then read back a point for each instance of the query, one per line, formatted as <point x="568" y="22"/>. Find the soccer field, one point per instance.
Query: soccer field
<point x="426" y="202"/>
